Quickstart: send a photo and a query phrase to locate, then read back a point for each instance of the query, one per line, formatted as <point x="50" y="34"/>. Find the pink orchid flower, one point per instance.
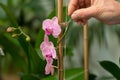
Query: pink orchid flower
<point x="49" y="52"/>
<point x="49" y="69"/>
<point x="51" y="26"/>
<point x="47" y="47"/>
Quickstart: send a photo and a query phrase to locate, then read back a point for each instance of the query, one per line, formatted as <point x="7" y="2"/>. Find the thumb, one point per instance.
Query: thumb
<point x="84" y="13"/>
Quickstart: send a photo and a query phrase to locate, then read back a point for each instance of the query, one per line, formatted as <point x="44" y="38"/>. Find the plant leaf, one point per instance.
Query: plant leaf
<point x="10" y="15"/>
<point x="40" y="38"/>
<point x="35" y="63"/>
<point x="30" y="77"/>
<point x="74" y="74"/>
<point x="14" y="51"/>
<point x="70" y="74"/>
<point x="112" y="68"/>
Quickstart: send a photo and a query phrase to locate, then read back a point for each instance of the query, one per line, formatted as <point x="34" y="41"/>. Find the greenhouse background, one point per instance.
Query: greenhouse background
<point x="22" y="60"/>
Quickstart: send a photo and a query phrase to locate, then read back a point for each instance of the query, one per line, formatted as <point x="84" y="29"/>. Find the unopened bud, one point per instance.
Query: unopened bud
<point x="10" y="29"/>
<point x="27" y="38"/>
<point x="14" y="35"/>
<point x="1" y="52"/>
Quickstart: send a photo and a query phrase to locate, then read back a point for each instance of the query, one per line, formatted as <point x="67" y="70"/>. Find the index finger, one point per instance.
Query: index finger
<point x="72" y="6"/>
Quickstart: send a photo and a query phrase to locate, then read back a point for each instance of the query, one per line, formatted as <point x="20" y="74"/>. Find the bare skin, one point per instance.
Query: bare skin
<point x="107" y="11"/>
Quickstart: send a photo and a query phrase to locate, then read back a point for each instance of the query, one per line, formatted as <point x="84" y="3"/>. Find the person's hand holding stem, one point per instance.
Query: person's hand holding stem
<point x="107" y="11"/>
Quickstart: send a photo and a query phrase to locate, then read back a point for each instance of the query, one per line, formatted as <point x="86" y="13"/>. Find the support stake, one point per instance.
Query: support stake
<point x="85" y="34"/>
<point x="60" y="45"/>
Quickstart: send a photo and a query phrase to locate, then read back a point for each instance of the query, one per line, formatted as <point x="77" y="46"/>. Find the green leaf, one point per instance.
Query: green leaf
<point x="50" y="78"/>
<point x="12" y="47"/>
<point x="30" y="77"/>
<point x="40" y="38"/>
<point x="10" y="3"/>
<point x="74" y="74"/>
<point x="106" y="78"/>
<point x="35" y="63"/>
<point x="112" y="68"/>
<point x="70" y="74"/>
<point x="69" y="51"/>
<point x="54" y="40"/>
<point x="92" y="76"/>
<point x="39" y="53"/>
<point x="10" y="15"/>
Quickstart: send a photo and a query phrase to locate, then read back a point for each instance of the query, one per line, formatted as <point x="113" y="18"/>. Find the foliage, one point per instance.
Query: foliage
<point x="112" y="68"/>
<point x="24" y="56"/>
<point x="70" y="74"/>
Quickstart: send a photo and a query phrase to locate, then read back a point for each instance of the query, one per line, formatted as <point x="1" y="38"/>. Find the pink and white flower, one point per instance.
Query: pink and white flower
<point x="51" y="26"/>
<point x="49" y="52"/>
<point x="49" y="69"/>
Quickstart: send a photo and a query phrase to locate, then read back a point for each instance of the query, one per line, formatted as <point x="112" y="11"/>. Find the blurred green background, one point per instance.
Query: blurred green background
<point x="23" y="60"/>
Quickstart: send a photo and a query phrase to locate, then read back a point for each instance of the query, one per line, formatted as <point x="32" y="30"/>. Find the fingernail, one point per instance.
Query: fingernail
<point x="74" y="15"/>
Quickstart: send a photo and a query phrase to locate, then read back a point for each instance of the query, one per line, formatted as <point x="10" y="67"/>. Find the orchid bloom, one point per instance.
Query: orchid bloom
<point x="49" y="52"/>
<point x="49" y="69"/>
<point x="51" y="26"/>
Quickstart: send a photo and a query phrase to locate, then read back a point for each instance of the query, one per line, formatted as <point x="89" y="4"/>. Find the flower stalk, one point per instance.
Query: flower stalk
<point x="13" y="29"/>
<point x="66" y="24"/>
<point x="60" y="48"/>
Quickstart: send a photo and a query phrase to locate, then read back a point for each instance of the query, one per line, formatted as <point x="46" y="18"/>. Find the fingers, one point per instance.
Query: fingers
<point x="80" y="15"/>
<point x="84" y="14"/>
<point x="73" y="5"/>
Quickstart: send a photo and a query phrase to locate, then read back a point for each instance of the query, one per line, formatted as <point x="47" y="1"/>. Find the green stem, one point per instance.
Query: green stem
<point x="22" y="31"/>
<point x="66" y="25"/>
<point x="55" y="66"/>
<point x="28" y="54"/>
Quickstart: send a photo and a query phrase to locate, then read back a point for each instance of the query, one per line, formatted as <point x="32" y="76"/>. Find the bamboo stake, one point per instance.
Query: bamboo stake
<point x="0" y="67"/>
<point x="86" y="77"/>
<point x="60" y="46"/>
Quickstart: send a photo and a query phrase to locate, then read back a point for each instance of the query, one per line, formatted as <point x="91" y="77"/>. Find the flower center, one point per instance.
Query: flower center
<point x="48" y="31"/>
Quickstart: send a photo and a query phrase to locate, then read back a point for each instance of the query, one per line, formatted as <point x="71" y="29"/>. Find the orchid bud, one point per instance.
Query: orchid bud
<point x="1" y="52"/>
<point x="10" y="29"/>
<point x="27" y="38"/>
<point x="14" y="35"/>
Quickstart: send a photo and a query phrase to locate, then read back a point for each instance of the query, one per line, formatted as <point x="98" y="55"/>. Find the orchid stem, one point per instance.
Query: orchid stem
<point x="66" y="24"/>
<point x="22" y="31"/>
<point x="54" y="66"/>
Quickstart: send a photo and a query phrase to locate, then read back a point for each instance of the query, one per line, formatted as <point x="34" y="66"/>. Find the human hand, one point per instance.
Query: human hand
<point x="107" y="11"/>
